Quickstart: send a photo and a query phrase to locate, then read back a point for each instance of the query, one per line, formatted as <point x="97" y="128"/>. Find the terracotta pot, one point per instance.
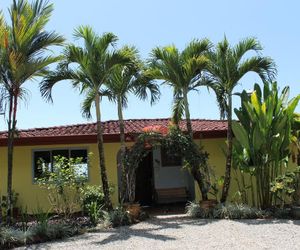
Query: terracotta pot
<point x="134" y="209"/>
<point x="208" y="204"/>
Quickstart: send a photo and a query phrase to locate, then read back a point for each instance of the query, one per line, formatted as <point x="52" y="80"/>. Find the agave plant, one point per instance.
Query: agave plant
<point x="264" y="135"/>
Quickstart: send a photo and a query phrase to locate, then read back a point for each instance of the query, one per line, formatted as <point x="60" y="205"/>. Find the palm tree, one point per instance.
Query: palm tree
<point x="125" y="80"/>
<point x="93" y="64"/>
<point x="23" y="44"/>
<point x="226" y="68"/>
<point x="182" y="71"/>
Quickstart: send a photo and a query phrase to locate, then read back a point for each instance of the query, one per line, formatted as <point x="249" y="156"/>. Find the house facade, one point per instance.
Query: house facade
<point x="157" y="170"/>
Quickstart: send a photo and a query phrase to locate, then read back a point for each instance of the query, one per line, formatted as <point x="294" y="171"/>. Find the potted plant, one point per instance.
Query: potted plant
<point x="213" y="189"/>
<point x="130" y="205"/>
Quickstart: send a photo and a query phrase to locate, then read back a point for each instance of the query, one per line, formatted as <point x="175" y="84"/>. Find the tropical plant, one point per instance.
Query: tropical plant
<point x="92" y="65"/>
<point x="226" y="69"/>
<point x="283" y="188"/>
<point x="263" y="136"/>
<point x="22" y="48"/>
<point x="92" y="194"/>
<point x="230" y="211"/>
<point x="64" y="185"/>
<point x="117" y="217"/>
<point x="94" y="212"/>
<point x="180" y="70"/>
<point x="125" y="80"/>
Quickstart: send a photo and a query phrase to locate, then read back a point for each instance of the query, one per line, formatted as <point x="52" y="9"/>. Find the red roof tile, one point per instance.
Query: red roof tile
<point x="111" y="128"/>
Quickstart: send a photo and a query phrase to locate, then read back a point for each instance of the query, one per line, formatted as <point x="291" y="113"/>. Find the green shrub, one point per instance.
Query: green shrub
<point x="228" y="211"/>
<point x="237" y="211"/>
<point x="64" y="184"/>
<point x="10" y="237"/>
<point x="94" y="212"/>
<point x="46" y="232"/>
<point x="194" y="210"/>
<point x="117" y="217"/>
<point x="92" y="194"/>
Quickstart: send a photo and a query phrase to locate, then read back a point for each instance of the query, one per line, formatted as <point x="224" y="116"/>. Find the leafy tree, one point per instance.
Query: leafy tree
<point x="22" y="58"/>
<point x="92" y="66"/>
<point x="226" y="69"/>
<point x="180" y="70"/>
<point x="125" y="80"/>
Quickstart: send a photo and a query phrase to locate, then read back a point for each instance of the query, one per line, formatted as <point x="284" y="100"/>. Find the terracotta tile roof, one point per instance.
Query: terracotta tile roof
<point x="207" y="128"/>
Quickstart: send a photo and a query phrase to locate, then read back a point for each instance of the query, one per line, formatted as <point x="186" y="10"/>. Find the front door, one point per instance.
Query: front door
<point x="144" y="181"/>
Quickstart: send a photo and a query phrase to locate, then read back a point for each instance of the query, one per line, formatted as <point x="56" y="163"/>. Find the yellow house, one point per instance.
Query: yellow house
<point x="157" y="171"/>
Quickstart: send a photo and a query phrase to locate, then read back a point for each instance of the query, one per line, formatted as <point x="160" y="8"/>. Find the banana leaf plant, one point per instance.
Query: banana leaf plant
<point x="263" y="136"/>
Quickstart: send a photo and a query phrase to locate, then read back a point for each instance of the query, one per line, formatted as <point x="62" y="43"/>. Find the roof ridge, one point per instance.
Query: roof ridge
<point x="108" y="121"/>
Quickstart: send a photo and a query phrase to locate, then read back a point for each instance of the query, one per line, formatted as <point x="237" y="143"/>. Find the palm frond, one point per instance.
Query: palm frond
<point x="244" y="46"/>
<point x="196" y="48"/>
<point x="177" y="110"/>
<point x="263" y="66"/>
<point x="54" y="77"/>
<point x="87" y="103"/>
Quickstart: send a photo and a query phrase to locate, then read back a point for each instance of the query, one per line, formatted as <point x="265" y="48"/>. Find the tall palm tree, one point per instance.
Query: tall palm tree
<point x="126" y="80"/>
<point x="23" y="46"/>
<point x="89" y="68"/>
<point x="182" y="71"/>
<point x="226" y="68"/>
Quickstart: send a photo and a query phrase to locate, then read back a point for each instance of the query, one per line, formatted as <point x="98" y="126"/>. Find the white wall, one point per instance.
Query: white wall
<point x="170" y="177"/>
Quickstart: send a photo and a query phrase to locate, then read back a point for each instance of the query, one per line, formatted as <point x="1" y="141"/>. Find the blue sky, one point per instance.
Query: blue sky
<point x="147" y="24"/>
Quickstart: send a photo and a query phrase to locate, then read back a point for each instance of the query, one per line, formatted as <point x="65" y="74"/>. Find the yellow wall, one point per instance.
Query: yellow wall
<point x="30" y="194"/>
<point x="217" y="160"/>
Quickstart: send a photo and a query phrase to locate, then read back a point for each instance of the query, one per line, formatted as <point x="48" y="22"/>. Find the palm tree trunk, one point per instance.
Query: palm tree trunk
<point x="123" y="149"/>
<point x="104" y="179"/>
<point x="11" y="132"/>
<point x="226" y="185"/>
<point x="197" y="175"/>
<point x="187" y="114"/>
<point x="199" y="179"/>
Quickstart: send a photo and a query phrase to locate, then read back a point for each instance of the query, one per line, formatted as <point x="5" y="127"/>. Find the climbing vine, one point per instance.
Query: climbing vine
<point x="176" y="143"/>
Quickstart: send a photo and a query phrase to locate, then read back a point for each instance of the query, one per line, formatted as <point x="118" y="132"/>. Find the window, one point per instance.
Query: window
<point x="168" y="160"/>
<point x="44" y="160"/>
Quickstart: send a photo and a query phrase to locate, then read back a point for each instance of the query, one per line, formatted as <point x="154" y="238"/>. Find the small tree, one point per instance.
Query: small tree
<point x="64" y="184"/>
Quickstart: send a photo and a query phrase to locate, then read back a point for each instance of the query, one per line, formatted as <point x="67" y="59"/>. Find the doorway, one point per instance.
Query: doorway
<point x="144" y="190"/>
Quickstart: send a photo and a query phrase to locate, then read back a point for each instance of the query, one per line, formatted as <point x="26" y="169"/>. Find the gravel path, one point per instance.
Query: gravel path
<point x="179" y="232"/>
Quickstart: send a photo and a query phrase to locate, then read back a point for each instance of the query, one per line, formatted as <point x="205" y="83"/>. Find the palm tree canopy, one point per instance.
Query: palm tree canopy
<point x="179" y="69"/>
<point x="23" y="43"/>
<point x="228" y="65"/>
<point x="130" y="79"/>
<point x="88" y="67"/>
